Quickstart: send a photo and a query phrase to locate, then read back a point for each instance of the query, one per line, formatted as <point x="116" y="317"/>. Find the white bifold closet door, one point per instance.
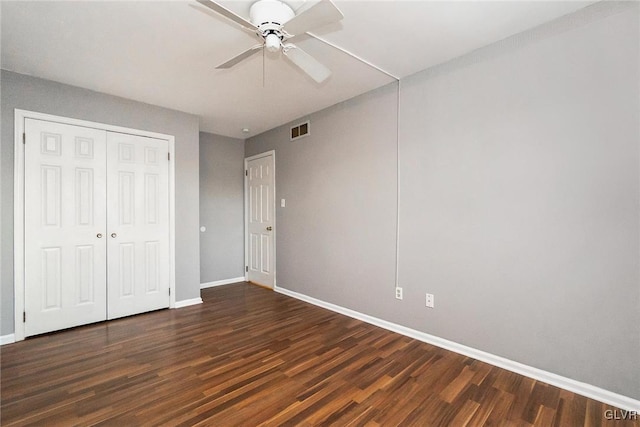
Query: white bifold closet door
<point x="137" y="224"/>
<point x="65" y="224"/>
<point x="96" y="225"/>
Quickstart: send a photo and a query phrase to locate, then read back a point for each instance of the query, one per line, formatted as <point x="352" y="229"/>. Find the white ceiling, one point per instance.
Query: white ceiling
<point x="164" y="53"/>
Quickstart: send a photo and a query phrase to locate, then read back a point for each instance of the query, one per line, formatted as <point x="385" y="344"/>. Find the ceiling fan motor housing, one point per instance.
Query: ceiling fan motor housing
<point x="269" y="16"/>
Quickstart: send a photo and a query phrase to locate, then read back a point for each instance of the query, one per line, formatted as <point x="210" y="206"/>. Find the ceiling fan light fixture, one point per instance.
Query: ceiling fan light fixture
<point x="272" y="42"/>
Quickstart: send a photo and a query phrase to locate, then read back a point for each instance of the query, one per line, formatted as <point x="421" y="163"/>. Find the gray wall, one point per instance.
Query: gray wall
<point x="336" y="235"/>
<point x="518" y="194"/>
<point x="28" y="93"/>
<point x="2" y="226"/>
<point x="221" y="207"/>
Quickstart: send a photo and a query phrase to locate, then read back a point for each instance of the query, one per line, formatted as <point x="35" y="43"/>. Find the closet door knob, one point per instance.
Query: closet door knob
<point x="114" y="235"/>
<point x="99" y="235"/>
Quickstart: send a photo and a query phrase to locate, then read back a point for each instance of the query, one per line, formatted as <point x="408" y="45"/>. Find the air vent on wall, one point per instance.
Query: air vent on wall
<point x="300" y="130"/>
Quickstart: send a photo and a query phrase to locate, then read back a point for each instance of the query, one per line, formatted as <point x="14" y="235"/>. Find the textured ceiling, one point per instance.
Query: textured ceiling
<point x="165" y="53"/>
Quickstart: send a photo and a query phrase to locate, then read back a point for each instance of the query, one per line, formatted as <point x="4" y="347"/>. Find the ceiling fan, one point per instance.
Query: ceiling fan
<point x="275" y="23"/>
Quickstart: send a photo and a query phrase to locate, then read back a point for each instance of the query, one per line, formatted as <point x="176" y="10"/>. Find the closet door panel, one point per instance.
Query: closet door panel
<point x="138" y="224"/>
<point x="65" y="226"/>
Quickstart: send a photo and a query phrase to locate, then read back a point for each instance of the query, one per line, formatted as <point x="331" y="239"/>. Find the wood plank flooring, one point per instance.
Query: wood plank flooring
<point x="249" y="357"/>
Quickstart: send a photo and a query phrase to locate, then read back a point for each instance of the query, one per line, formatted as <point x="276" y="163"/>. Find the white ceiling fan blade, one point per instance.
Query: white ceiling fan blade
<point x="228" y="14"/>
<point x="306" y="63"/>
<point x="315" y="15"/>
<point x="241" y="57"/>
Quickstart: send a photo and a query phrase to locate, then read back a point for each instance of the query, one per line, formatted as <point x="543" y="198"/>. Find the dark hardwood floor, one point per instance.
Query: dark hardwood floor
<point x="249" y="356"/>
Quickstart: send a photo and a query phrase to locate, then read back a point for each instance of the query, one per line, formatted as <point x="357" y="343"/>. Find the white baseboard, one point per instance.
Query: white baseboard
<point x="221" y="282"/>
<point x="587" y="390"/>
<point x="188" y="302"/>
<point x="7" y="339"/>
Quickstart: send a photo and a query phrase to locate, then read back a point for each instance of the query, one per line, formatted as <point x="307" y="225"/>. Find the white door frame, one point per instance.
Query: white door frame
<point x="271" y="153"/>
<point x="18" y="203"/>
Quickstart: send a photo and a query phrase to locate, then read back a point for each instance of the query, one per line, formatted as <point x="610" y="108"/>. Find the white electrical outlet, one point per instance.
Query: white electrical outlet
<point x="398" y="293"/>
<point x="429" y="300"/>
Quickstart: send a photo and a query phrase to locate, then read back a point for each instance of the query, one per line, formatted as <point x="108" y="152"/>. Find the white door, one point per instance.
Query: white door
<point x="138" y="224"/>
<point x="65" y="226"/>
<point x="260" y="178"/>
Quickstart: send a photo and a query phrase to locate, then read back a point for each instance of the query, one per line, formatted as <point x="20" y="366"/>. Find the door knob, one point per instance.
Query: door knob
<point x="113" y="235"/>
<point x="99" y="235"/>
<point x="269" y="228"/>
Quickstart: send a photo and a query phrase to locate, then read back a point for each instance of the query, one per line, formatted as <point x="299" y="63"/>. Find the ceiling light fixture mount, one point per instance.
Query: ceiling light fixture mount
<point x="269" y="16"/>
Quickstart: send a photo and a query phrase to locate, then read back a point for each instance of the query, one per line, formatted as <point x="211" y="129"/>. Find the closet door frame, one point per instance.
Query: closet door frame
<point x="19" y="199"/>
